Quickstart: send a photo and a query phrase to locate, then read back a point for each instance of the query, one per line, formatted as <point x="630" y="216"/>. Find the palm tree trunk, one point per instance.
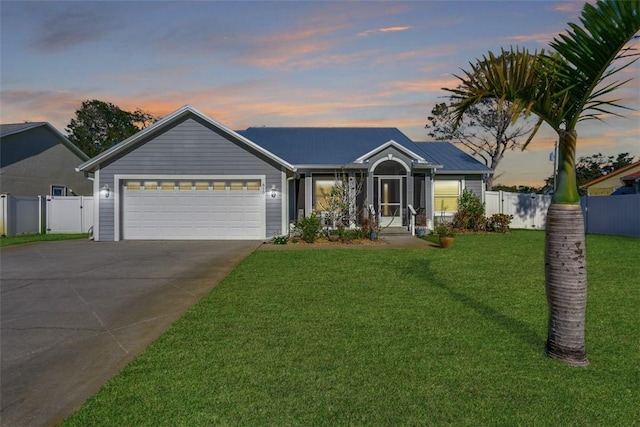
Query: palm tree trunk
<point x="565" y="263"/>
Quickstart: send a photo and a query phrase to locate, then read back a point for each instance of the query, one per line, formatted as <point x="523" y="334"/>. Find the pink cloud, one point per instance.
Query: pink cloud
<point x="419" y="86"/>
<point x="384" y="30"/>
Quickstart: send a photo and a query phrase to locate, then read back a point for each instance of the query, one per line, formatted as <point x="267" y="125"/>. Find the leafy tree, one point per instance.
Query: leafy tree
<point x="562" y="89"/>
<point x="484" y="129"/>
<point x="98" y="125"/>
<point x="525" y="189"/>
<point x="594" y="166"/>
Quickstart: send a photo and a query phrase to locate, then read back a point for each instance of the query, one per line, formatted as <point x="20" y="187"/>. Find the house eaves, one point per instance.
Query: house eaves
<point x="464" y="172"/>
<point x="168" y="120"/>
<point x="8" y="130"/>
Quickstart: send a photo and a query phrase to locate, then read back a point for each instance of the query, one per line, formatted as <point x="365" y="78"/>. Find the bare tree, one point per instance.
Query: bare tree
<point x="340" y="202"/>
<point x="485" y="130"/>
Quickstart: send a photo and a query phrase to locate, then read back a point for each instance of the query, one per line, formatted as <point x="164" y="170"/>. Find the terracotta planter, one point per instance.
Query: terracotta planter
<point x="446" y="242"/>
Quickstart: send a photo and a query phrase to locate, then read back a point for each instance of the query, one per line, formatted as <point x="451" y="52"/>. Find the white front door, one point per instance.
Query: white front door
<point x="390" y="197"/>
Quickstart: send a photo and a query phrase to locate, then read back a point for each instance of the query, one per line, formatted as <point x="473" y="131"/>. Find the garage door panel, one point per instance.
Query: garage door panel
<point x="186" y="213"/>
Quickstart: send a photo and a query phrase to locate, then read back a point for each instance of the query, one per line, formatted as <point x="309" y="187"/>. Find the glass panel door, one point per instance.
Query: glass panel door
<point x="390" y="197"/>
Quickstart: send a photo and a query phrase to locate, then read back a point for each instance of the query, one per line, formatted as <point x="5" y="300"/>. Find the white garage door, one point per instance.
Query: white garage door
<point x="190" y="210"/>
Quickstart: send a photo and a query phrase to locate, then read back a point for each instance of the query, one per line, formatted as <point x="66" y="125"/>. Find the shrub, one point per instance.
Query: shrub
<point x="499" y="223"/>
<point x="279" y="240"/>
<point x="354" y="234"/>
<point x="470" y="215"/>
<point x="310" y="227"/>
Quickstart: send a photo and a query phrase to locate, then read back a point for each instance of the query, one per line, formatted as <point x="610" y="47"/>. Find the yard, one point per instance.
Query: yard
<point x="389" y="337"/>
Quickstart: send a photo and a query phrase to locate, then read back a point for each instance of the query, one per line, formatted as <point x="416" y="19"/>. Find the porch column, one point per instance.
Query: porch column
<point x="308" y="194"/>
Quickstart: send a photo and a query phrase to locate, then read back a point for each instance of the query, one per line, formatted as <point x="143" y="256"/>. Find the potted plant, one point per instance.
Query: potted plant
<point x="446" y="234"/>
<point x="374" y="227"/>
<point x="333" y="235"/>
<point x="421" y="224"/>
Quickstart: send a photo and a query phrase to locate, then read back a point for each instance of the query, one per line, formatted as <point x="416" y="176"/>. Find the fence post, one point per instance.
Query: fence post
<point x="4" y="213"/>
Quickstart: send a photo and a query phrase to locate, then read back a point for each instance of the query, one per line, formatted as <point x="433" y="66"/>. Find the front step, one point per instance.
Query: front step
<point x="395" y="231"/>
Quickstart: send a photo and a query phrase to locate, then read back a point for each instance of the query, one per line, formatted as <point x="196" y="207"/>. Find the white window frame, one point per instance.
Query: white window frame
<point x="461" y="186"/>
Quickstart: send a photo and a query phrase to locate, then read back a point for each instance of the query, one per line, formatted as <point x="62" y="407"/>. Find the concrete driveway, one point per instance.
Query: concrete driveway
<point x="74" y="313"/>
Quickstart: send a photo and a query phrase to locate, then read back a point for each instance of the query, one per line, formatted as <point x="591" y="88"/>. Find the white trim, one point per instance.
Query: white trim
<point x="117" y="178"/>
<point x="373" y="167"/>
<point x="392" y="143"/>
<point x="96" y="205"/>
<point x="284" y="211"/>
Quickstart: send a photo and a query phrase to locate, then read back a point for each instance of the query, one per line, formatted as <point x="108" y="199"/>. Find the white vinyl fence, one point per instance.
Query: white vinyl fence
<point x="616" y="215"/>
<point x="21" y="215"/>
<point x="37" y="214"/>
<point x="529" y="210"/>
<point x="69" y="214"/>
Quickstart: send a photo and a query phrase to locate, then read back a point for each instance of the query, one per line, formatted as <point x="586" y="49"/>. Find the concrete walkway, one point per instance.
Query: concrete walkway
<point x="74" y="313"/>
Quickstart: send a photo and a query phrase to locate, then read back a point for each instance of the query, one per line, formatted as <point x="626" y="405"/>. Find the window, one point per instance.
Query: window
<point x="58" y="190"/>
<point x="151" y="185"/>
<point x="446" y="195"/>
<point x="202" y="186"/>
<point x="253" y="185"/>
<point x="133" y="185"/>
<point x="322" y="189"/>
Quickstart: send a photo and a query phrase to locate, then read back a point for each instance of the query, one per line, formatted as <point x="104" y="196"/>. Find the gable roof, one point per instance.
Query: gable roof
<point x="452" y="159"/>
<point x="15" y="128"/>
<point x="611" y="174"/>
<point x="172" y="118"/>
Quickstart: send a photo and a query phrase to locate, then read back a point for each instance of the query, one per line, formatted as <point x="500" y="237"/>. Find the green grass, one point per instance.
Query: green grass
<point x="30" y="238"/>
<point x="389" y="337"/>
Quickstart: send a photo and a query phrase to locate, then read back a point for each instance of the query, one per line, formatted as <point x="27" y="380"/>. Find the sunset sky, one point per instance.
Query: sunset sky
<point x="282" y="63"/>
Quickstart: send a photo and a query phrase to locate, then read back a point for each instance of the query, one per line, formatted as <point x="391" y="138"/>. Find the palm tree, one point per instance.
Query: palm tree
<point x="562" y="88"/>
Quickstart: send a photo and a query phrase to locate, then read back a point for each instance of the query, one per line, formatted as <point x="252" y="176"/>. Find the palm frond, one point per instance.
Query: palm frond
<point x="590" y="50"/>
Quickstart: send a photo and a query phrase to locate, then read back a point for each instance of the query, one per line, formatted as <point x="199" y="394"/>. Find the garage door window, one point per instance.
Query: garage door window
<point x="236" y="185"/>
<point x="231" y="185"/>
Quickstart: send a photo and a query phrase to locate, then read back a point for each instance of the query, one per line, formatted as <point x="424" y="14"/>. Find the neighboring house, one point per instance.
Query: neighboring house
<point x="630" y="184"/>
<point x="189" y="177"/>
<point x="609" y="184"/>
<point x="37" y="160"/>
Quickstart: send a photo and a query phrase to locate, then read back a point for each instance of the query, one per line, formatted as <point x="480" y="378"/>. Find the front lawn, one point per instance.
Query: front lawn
<point x="30" y="238"/>
<point x="389" y="337"/>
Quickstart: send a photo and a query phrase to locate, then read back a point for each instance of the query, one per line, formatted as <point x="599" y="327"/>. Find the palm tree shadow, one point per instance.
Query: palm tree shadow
<point x="420" y="268"/>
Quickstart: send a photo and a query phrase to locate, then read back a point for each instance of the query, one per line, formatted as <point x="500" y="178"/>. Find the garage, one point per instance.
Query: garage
<point x="191" y="209"/>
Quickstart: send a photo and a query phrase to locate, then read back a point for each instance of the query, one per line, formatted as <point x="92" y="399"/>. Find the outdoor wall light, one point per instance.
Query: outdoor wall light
<point x="273" y="191"/>
<point x="105" y="191"/>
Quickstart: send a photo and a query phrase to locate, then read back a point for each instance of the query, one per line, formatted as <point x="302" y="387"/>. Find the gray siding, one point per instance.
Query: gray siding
<point x="474" y="183"/>
<point x="191" y="148"/>
<point x="34" y="160"/>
